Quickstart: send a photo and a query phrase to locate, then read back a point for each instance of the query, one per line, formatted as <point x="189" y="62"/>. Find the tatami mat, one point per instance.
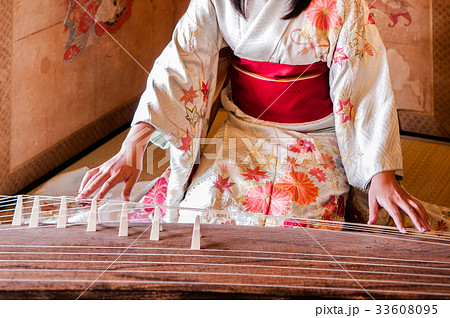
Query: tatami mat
<point x="427" y="170"/>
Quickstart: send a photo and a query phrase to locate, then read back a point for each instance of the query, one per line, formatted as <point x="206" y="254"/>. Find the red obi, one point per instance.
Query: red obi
<point x="280" y="92"/>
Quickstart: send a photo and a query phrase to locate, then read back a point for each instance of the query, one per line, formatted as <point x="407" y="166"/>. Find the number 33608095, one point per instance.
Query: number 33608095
<point x="406" y="309"/>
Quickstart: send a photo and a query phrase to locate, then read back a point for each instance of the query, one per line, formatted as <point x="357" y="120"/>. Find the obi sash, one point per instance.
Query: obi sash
<point x="280" y="92"/>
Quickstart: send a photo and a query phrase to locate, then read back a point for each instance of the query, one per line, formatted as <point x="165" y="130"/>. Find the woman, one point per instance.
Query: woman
<point x="310" y="113"/>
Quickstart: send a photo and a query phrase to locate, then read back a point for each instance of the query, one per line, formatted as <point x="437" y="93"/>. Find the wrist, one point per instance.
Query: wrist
<point x="134" y="145"/>
<point x="384" y="179"/>
<point x="138" y="137"/>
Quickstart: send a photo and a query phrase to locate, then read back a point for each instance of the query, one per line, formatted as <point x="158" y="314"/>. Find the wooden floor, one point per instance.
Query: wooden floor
<point x="234" y="262"/>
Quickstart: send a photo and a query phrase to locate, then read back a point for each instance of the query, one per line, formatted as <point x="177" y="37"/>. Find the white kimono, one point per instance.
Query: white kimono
<point x="184" y="80"/>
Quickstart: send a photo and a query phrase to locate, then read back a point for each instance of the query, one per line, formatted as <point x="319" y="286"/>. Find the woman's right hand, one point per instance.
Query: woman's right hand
<point x="125" y="166"/>
<point x="107" y="176"/>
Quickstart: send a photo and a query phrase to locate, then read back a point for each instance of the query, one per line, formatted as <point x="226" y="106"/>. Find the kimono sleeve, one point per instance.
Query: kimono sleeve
<point x="364" y="107"/>
<point x="176" y="101"/>
<point x="180" y="92"/>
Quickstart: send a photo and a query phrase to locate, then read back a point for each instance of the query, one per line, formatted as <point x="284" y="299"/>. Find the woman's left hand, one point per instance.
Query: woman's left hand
<point x="386" y="192"/>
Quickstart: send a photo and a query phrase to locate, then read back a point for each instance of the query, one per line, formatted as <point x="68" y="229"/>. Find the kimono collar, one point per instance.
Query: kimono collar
<point x="264" y="33"/>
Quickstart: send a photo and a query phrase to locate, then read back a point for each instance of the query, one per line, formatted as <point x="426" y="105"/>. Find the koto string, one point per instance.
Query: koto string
<point x="240" y="274"/>
<point x="363" y="233"/>
<point x="148" y="282"/>
<point x="178" y="255"/>
<point x="221" y="251"/>
<point x="377" y="228"/>
<point x="229" y="265"/>
<point x="255" y="119"/>
<point x="221" y="265"/>
<point x="224" y="257"/>
<point x="93" y="282"/>
<point x="145" y="205"/>
<point x="232" y="284"/>
<point x="139" y="206"/>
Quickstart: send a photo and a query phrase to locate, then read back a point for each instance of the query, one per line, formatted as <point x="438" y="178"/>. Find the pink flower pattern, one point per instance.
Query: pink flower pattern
<point x="156" y="195"/>
<point x="345" y="110"/>
<point x="323" y="14"/>
<point x="308" y="146"/>
<point x="267" y="199"/>
<point x="319" y="174"/>
<point x="297" y="147"/>
<point x="339" y="56"/>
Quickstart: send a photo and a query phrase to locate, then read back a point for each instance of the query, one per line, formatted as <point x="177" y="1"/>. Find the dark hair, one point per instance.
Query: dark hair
<point x="295" y="7"/>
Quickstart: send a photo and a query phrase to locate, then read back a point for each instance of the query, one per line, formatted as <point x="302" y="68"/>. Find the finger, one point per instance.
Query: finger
<point x="373" y="210"/>
<point x="424" y="218"/>
<point x="94" y="185"/>
<point x="419" y="210"/>
<point x="95" y="177"/>
<point x="129" y="184"/>
<point x="413" y="215"/>
<point x="395" y="214"/>
<point x="86" y="178"/>
<point x="108" y="185"/>
<point x="414" y="210"/>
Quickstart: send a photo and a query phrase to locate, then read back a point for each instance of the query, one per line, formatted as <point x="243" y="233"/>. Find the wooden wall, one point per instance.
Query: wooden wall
<point x="50" y="110"/>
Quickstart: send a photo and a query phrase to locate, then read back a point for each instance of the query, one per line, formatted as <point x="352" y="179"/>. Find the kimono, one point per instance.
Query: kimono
<point x="308" y="171"/>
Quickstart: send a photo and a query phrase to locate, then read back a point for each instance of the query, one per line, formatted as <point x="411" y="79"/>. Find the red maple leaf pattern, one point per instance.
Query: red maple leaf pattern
<point x="186" y="142"/>
<point x="225" y="169"/>
<point x="370" y="18"/>
<point x="189" y="96"/>
<point x="254" y="174"/>
<point x="292" y="163"/>
<point x="205" y="90"/>
<point x="222" y="184"/>
<point x="327" y="162"/>
<point x="157" y="194"/>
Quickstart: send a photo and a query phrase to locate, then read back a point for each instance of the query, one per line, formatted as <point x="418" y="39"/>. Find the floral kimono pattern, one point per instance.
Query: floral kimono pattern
<point x="269" y="169"/>
<point x="312" y="179"/>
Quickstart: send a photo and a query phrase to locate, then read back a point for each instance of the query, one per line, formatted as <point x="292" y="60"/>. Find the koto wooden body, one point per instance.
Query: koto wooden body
<point x="234" y="262"/>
